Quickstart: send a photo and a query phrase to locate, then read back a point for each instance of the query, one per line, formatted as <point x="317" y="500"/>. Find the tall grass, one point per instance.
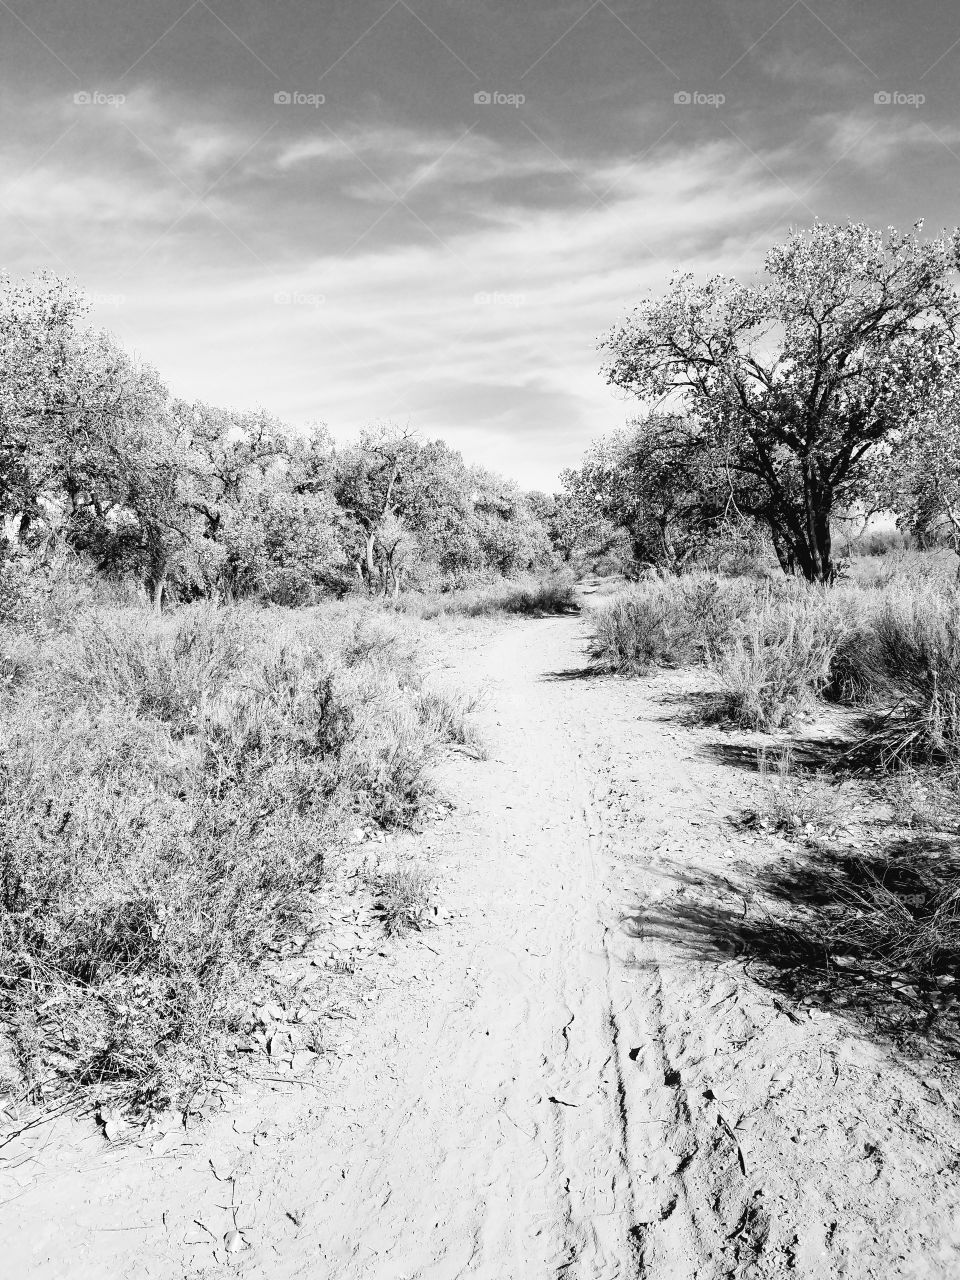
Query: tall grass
<point x="778" y="662"/>
<point x="532" y="596"/>
<point x="171" y="790"/>
<point x="887" y="645"/>
<point x="769" y="647"/>
<point x="902" y="662"/>
<point x="670" y="622"/>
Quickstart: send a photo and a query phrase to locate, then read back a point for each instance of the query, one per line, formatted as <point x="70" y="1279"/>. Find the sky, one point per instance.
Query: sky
<point x="428" y="211"/>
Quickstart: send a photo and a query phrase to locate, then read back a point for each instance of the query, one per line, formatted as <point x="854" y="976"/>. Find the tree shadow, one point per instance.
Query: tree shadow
<point x="864" y="937"/>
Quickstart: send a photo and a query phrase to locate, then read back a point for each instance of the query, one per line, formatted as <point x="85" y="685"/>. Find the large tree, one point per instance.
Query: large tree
<point x="76" y="412"/>
<point x="799" y="380"/>
<point x="661" y="483"/>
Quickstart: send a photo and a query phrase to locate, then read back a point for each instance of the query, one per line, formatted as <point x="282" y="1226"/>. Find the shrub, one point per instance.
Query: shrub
<point x="906" y="916"/>
<point x="170" y="793"/>
<point x="902" y="660"/>
<point x="780" y="662"/>
<point x="536" y="597"/>
<point x="550" y="595"/>
<point x="670" y="622"/>
<point x="644" y="630"/>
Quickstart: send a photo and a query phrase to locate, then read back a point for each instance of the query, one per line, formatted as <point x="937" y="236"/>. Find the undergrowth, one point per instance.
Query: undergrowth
<point x="171" y="790"/>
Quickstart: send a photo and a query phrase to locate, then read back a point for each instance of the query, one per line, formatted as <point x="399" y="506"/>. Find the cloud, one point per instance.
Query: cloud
<point x="491" y="335"/>
<point x="301" y="284"/>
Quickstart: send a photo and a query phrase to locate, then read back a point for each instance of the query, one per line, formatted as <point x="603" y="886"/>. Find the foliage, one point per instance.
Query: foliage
<point x="660" y="484"/>
<point x="779" y="664"/>
<point x="189" y="500"/>
<point x="417" y="513"/>
<point x="903" y="662"/>
<point x="670" y="622"/>
<point x="798" y="382"/>
<point x="921" y="478"/>
<point x="171" y="790"/>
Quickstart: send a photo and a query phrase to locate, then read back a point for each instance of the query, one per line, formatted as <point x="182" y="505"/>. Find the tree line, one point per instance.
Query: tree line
<point x="191" y="499"/>
<point x="768" y="410"/>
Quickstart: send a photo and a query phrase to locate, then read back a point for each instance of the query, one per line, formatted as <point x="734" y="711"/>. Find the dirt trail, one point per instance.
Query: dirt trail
<point x="549" y="1085"/>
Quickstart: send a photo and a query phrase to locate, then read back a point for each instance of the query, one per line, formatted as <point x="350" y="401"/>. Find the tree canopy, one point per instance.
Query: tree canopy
<point x="189" y="498"/>
<point x="795" y="382"/>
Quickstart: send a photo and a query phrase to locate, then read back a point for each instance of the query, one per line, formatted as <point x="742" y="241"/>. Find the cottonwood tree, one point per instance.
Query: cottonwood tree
<point x="372" y="485"/>
<point x="509" y="535"/>
<point x="416" y="512"/>
<point x="75" y="410"/>
<point x="799" y="380"/>
<point x="659" y="481"/>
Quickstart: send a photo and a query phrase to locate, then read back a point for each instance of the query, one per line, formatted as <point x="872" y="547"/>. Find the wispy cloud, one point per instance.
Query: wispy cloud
<point x="402" y="250"/>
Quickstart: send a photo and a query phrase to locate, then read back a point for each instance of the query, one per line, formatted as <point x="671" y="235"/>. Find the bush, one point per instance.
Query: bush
<point x="780" y="663"/>
<point x="170" y="792"/>
<point x="536" y="597"/>
<point x="901" y="660"/>
<point x="907" y="916"/>
<point x="551" y="595"/>
<point x="670" y="622"/>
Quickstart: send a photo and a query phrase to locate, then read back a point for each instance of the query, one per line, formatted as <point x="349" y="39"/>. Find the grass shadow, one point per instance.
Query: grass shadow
<point x="873" y="939"/>
<point x="589" y="672"/>
<point x="830" y="756"/>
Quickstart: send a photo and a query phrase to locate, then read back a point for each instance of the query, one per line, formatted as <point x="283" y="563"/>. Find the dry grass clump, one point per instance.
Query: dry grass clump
<point x="534" y="597"/>
<point x="170" y="792"/>
<point x="794" y="801"/>
<point x="670" y="622"/>
<point x="770" y="647"/>
<point x="914" y="654"/>
<point x="906" y="917"/>
<point x="773" y="671"/>
<point x="403" y="897"/>
<point x="923" y="801"/>
<point x="450" y="715"/>
<point x="542" y="597"/>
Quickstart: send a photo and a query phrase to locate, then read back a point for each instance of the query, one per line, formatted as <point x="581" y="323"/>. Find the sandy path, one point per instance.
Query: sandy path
<point x="555" y="1088"/>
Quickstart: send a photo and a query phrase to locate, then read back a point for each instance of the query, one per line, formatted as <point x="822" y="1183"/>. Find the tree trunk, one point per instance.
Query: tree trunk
<point x="784" y="550"/>
<point x="804" y="546"/>
<point x="815" y="558"/>
<point x="368" y="556"/>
